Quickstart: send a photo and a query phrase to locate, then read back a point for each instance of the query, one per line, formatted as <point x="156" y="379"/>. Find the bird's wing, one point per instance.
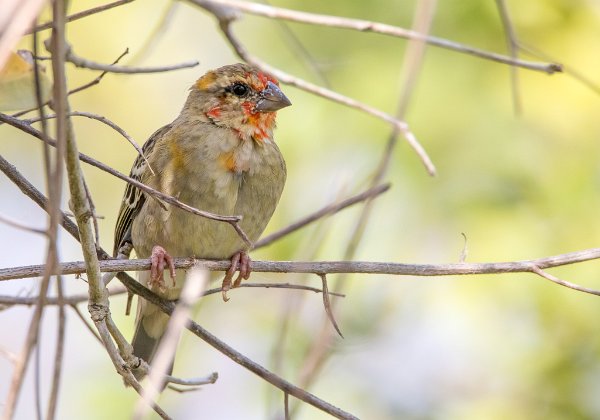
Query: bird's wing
<point x="134" y="198"/>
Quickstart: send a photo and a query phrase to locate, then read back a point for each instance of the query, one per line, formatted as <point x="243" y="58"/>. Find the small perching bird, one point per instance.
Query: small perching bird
<point x="219" y="156"/>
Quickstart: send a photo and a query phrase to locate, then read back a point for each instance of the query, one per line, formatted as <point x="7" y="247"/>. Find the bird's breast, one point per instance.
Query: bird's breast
<point x="225" y="176"/>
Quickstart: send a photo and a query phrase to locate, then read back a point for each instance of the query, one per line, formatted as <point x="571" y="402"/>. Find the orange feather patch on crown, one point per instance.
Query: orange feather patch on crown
<point x="206" y="81"/>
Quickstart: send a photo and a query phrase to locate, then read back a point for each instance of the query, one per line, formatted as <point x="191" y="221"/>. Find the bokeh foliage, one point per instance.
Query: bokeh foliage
<point x="519" y="187"/>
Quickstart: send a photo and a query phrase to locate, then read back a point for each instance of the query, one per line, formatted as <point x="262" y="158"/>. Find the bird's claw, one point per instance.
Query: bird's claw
<point x="240" y="261"/>
<point x="159" y="260"/>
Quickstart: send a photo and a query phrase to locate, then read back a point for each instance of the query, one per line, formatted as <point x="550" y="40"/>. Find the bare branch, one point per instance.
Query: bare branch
<point x="286" y="78"/>
<point x="210" y="379"/>
<point x="85" y="321"/>
<point x="513" y="49"/>
<point x="30" y="191"/>
<point x="79" y="15"/>
<point x="158" y="30"/>
<point x="324" y="267"/>
<point x="11" y="357"/>
<point x="103" y="120"/>
<point x="168" y="308"/>
<point x="111" y="68"/>
<point x="18" y="225"/>
<point x="59" y="353"/>
<point x="76" y="299"/>
<point x="327" y="305"/>
<point x="324" y="212"/>
<point x="536" y="269"/>
<point x="368" y="26"/>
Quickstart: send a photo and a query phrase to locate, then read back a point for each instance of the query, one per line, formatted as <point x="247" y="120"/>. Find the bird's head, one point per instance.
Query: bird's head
<point x="238" y="97"/>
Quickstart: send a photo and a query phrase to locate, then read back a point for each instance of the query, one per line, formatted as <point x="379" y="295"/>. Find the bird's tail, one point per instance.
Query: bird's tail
<point x="150" y="326"/>
<point x="147" y="336"/>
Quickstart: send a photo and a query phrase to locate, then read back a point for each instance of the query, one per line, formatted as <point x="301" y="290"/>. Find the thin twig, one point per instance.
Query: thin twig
<point x="37" y="383"/>
<point x="513" y="49"/>
<point x="286" y="406"/>
<point x="323" y="212"/>
<point x="465" y="249"/>
<point x="536" y="269"/>
<point x="16" y="224"/>
<point x="30" y="191"/>
<point x="103" y="120"/>
<point x="327" y="304"/>
<point x="79" y="15"/>
<point x="59" y="352"/>
<point x="568" y="70"/>
<point x="111" y="68"/>
<point x="76" y="299"/>
<point x="92" y="206"/>
<point x="98" y="78"/>
<point x="85" y="320"/>
<point x="210" y="379"/>
<point x="158" y="30"/>
<point x="11" y="357"/>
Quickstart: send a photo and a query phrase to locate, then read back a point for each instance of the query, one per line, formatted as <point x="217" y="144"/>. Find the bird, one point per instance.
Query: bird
<point x="218" y="155"/>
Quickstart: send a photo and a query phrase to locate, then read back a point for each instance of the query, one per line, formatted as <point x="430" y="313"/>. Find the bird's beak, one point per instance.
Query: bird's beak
<point x="271" y="99"/>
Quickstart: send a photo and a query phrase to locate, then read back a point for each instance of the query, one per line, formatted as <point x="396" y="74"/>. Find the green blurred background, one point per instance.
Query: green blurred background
<point x="501" y="346"/>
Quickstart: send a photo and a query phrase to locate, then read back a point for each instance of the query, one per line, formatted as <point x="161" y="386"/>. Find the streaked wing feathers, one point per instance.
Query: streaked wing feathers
<point x="134" y="198"/>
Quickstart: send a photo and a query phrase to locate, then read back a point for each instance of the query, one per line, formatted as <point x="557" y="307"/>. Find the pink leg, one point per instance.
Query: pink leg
<point x="159" y="260"/>
<point x="241" y="261"/>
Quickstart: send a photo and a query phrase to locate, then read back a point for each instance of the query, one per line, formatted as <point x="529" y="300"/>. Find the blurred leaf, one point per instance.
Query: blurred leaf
<point x="17" y="82"/>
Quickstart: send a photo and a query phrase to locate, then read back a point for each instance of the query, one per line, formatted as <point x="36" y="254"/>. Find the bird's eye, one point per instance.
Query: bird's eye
<point x="239" y="89"/>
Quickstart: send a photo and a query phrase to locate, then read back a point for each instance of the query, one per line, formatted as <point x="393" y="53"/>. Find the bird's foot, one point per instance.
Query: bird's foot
<point x="159" y="260"/>
<point x="240" y="261"/>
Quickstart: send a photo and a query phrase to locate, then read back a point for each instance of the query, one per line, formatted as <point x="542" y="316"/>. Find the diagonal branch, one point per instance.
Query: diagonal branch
<point x="324" y="212"/>
<point x="232" y="220"/>
<point x="283" y="77"/>
<point x="111" y="68"/>
<point x="368" y="26"/>
<point x="168" y="307"/>
<point x="80" y="15"/>
<point x="103" y="120"/>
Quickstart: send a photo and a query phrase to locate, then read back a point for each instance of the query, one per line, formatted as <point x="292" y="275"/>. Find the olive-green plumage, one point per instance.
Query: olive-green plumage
<point x="219" y="156"/>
